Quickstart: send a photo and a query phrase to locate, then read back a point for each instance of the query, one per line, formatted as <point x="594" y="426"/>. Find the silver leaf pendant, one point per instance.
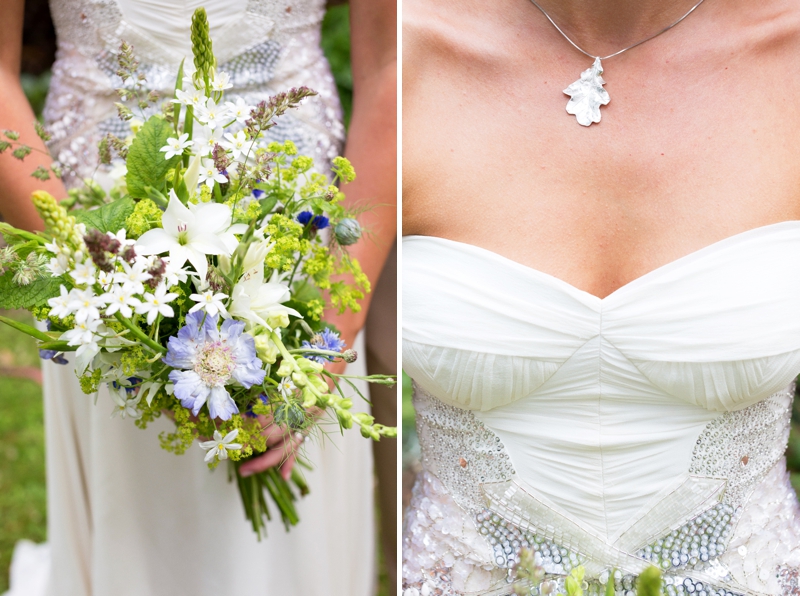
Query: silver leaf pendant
<point x="587" y="95"/>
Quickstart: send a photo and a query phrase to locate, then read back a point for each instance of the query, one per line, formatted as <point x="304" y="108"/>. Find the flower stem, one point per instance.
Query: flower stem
<point x="139" y="334"/>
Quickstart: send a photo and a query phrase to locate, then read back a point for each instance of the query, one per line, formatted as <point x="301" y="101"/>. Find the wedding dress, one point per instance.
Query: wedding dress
<point x="645" y="428"/>
<point x="124" y="516"/>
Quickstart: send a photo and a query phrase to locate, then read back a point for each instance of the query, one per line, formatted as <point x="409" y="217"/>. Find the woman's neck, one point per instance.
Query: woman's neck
<point x="605" y="26"/>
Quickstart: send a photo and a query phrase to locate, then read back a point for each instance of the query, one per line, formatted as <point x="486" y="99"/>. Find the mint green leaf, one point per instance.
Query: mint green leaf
<point x="146" y="163"/>
<point x="34" y="294"/>
<point x="108" y="218"/>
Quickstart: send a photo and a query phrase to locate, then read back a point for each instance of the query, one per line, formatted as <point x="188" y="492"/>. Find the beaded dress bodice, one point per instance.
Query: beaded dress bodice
<point x="266" y="46"/>
<point x="645" y="428"/>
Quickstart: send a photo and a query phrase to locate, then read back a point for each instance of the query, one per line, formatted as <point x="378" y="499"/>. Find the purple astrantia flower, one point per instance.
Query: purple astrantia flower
<point x="326" y="340"/>
<point x="319" y="222"/>
<point x="212" y="358"/>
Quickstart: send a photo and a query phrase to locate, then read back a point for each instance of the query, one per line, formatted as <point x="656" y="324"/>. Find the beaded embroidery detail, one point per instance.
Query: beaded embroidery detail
<point x="714" y="552"/>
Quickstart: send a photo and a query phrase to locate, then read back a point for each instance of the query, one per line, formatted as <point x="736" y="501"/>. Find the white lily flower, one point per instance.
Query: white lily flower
<point x="239" y="110"/>
<point x="84" y="273"/>
<point x="209" y="174"/>
<point x="60" y="305"/>
<point x="237" y="144"/>
<point x="212" y="115"/>
<point x="221" y="81"/>
<point x="156" y="303"/>
<point x="120" y="299"/>
<point x="210" y="302"/>
<point x="192" y="97"/>
<point x="85" y="305"/>
<point x="256" y="301"/>
<point x="176" y="146"/>
<point x="124" y="406"/>
<point x="191" y="233"/>
<point x="218" y="447"/>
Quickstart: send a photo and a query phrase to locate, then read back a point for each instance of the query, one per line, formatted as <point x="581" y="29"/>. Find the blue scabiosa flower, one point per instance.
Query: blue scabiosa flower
<point x="318" y="222"/>
<point x="326" y="340"/>
<point x="212" y="358"/>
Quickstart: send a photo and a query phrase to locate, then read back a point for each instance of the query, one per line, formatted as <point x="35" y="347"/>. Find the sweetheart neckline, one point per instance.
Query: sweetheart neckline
<point x="661" y="269"/>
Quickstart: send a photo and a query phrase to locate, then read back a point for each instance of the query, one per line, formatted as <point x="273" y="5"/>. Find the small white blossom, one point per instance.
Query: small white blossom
<point x="59" y="305"/>
<point x="213" y="115"/>
<point x="218" y="447"/>
<point x="122" y="238"/>
<point x="133" y="276"/>
<point x="193" y="97"/>
<point x="84" y="273"/>
<point x="210" y="302"/>
<point x="176" y="146"/>
<point x="287" y="387"/>
<point x="237" y="144"/>
<point x="205" y="139"/>
<point x="239" y="110"/>
<point x="209" y="174"/>
<point x="124" y="406"/>
<point x="82" y="334"/>
<point x="58" y="265"/>
<point x="221" y="81"/>
<point x="85" y="305"/>
<point x="122" y="300"/>
<point x="174" y="274"/>
<point x="156" y="303"/>
<point x="105" y="279"/>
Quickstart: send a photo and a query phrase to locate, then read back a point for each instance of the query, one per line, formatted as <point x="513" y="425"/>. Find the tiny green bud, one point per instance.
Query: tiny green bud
<point x="349" y="356"/>
<point x="318" y="383"/>
<point x="649" y="582"/>
<point x="309" y="397"/>
<point x="345" y="418"/>
<point x="300" y="379"/>
<point x="277" y="320"/>
<point x="365" y="419"/>
<point x="307" y="365"/>
<point x="286" y="368"/>
<point x="266" y="350"/>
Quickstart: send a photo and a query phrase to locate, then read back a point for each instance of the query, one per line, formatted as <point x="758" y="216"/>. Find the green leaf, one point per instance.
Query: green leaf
<point x="146" y="163"/>
<point x="267" y="205"/>
<point x="34" y="294"/>
<point x="108" y="218"/>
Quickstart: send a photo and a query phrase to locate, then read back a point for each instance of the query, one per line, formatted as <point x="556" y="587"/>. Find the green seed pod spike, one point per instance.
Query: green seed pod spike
<point x="204" y="61"/>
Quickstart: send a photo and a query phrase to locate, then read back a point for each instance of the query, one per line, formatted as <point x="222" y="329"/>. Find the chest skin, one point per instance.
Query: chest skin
<point x="699" y="142"/>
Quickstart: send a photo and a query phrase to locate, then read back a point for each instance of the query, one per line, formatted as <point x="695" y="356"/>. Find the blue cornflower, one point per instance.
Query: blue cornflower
<point x="326" y="340"/>
<point x="319" y="222"/>
<point x="212" y="358"/>
<point x="258" y="193"/>
<point x="249" y="413"/>
<point x="57" y="357"/>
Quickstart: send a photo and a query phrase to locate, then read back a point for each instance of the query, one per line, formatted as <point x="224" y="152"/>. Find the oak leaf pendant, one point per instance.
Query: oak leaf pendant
<point x="587" y="95"/>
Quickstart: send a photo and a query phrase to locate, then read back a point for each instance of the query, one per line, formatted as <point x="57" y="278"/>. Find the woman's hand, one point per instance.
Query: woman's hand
<point x="282" y="446"/>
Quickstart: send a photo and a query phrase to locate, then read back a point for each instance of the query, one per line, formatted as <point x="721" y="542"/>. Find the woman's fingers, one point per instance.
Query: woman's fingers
<point x="282" y="453"/>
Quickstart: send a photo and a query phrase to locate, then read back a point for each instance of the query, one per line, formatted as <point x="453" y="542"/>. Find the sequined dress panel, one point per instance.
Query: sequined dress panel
<point x="266" y="46"/>
<point x="648" y="427"/>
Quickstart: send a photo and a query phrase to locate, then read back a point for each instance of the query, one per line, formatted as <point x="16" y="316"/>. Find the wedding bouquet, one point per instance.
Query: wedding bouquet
<point x="196" y="286"/>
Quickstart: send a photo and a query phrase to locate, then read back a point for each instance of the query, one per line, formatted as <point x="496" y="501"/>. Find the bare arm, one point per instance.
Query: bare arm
<point x="372" y="139"/>
<point x="16" y="183"/>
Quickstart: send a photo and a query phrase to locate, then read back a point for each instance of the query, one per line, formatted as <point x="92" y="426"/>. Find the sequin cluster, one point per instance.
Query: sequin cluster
<point x="459" y="450"/>
<point x="789" y="579"/>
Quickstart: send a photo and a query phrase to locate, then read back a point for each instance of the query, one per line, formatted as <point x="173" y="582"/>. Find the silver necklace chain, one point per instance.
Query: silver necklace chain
<point x="638" y="43"/>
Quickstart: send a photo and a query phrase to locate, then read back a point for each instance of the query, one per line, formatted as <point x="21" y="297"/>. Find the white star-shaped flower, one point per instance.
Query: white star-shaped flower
<point x="176" y="146"/>
<point x="121" y="300"/>
<point x="58" y="265"/>
<point x="239" y="110"/>
<point x="124" y="406"/>
<point x="59" y="305"/>
<point x="84" y="273"/>
<point x="218" y="447"/>
<point x="132" y="277"/>
<point x="205" y="139"/>
<point x="237" y="144"/>
<point x="85" y="305"/>
<point x="213" y="115"/>
<point x="156" y="303"/>
<point x="192" y="97"/>
<point x="105" y="279"/>
<point x="82" y="334"/>
<point x="210" y="302"/>
<point x="209" y="174"/>
<point x="286" y="387"/>
<point x="191" y="233"/>
<point x="221" y="81"/>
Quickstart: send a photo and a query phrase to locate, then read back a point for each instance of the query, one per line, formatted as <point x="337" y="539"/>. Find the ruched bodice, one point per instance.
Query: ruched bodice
<point x="602" y="406"/>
